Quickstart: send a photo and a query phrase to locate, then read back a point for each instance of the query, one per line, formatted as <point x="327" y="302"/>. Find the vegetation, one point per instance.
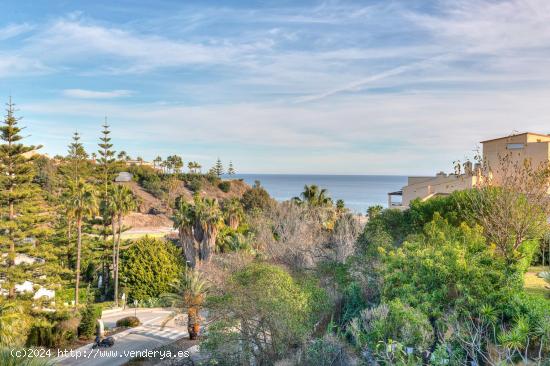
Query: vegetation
<point x="149" y="267"/>
<point x="189" y="293"/>
<point x="129" y="322"/>
<point x="449" y="281"/>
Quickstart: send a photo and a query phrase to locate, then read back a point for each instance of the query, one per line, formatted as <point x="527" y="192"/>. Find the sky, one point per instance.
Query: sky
<point x="314" y="87"/>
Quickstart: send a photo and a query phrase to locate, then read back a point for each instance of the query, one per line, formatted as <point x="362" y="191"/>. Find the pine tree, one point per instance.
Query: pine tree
<point x="231" y="169"/>
<point x="107" y="173"/>
<point x="77" y="156"/>
<point x="17" y="191"/>
<point x="218" y="168"/>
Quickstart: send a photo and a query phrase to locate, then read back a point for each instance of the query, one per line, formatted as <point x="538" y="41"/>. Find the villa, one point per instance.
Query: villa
<point x="532" y="146"/>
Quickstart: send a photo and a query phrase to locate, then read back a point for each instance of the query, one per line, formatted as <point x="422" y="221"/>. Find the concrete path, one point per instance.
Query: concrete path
<point x="129" y="343"/>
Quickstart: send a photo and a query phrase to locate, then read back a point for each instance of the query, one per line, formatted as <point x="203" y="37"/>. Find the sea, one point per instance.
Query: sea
<point x="359" y="192"/>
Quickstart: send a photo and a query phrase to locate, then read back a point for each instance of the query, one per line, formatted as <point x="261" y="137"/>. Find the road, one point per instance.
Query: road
<point x="147" y="336"/>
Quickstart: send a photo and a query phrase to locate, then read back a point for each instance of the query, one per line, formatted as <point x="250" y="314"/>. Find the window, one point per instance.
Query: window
<point x="515" y="146"/>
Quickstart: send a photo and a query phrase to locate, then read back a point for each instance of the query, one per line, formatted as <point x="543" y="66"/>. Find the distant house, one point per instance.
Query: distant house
<point x="532" y="146"/>
<point x="124" y="177"/>
<point x="24" y="259"/>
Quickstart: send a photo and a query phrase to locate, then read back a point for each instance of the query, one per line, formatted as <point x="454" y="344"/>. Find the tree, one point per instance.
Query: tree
<point x="374" y="211"/>
<point x="209" y="218"/>
<point x="189" y="293"/>
<point x="149" y="268"/>
<point x="194" y="167"/>
<point x="256" y="198"/>
<point x="263" y="313"/>
<point x="514" y="208"/>
<point x="314" y="197"/>
<point x="107" y="174"/>
<point x="123" y="202"/>
<point x="81" y="202"/>
<point x="218" y="168"/>
<point x="231" y="169"/>
<point x="233" y="212"/>
<point x="184" y="221"/>
<point x="77" y="156"/>
<point x="121" y="156"/>
<point x="175" y="163"/>
<point x="157" y="161"/>
<point x="17" y="191"/>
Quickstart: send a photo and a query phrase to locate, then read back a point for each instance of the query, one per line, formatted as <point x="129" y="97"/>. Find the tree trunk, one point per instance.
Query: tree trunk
<point x="114" y="258"/>
<point x="78" y="250"/>
<point x="208" y="243"/>
<point x="188" y="243"/>
<point x="11" y="255"/>
<point x="193" y="322"/>
<point x="69" y="239"/>
<point x="117" y="256"/>
<point x="233" y="222"/>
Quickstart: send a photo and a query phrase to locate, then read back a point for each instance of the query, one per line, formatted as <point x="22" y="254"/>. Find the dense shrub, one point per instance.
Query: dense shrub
<point x="225" y="186"/>
<point x="41" y="334"/>
<point x="149" y="267"/>
<point x="447" y="267"/>
<point x="287" y="309"/>
<point x="195" y="184"/>
<point x="89" y="316"/>
<point x="7" y="359"/>
<point x="256" y="198"/>
<point x="326" y="351"/>
<point x="14" y="324"/>
<point x="393" y="321"/>
<point x="129" y="321"/>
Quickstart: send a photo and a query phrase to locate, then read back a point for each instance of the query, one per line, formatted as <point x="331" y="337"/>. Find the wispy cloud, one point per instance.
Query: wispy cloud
<point x="13" y="30"/>
<point x="94" y="94"/>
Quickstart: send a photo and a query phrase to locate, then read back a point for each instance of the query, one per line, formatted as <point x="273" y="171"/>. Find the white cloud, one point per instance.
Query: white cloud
<point x="94" y="94"/>
<point x="13" y="30"/>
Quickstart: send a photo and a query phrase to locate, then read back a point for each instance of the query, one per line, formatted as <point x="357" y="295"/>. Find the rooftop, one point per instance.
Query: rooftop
<point x="517" y="134"/>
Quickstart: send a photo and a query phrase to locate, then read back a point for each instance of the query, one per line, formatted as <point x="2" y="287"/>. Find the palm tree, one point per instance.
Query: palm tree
<point x="233" y="212"/>
<point x="157" y="161"/>
<point x="122" y="155"/>
<point x="313" y="196"/>
<point x="189" y="294"/>
<point x="81" y="202"/>
<point x="184" y="220"/>
<point x="209" y="218"/>
<point x="122" y="202"/>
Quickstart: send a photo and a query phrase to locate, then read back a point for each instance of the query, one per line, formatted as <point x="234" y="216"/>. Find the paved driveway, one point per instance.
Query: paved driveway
<point x="128" y="343"/>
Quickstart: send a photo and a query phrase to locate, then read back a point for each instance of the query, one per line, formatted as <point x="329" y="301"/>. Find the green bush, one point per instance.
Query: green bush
<point x="287" y="308"/>
<point x="6" y="359"/>
<point x="324" y="351"/>
<point x="88" y="323"/>
<point x="149" y="267"/>
<point x="41" y="334"/>
<point x="256" y="198"/>
<point x="129" y="322"/>
<point x="393" y="321"/>
<point x="225" y="186"/>
<point x="195" y="184"/>
<point x="15" y="324"/>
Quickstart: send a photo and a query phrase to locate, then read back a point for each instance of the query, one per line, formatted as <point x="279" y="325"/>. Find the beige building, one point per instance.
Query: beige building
<point x="532" y="146"/>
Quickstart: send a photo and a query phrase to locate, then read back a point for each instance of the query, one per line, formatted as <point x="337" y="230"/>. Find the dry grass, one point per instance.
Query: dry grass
<point x="536" y="285"/>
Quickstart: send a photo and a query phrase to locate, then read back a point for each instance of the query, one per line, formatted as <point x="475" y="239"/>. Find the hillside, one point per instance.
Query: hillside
<point x="153" y="215"/>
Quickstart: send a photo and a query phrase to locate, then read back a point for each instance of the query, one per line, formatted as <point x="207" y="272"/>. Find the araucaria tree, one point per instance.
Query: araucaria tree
<point x="17" y="191"/>
<point x="231" y="169"/>
<point x="218" y="168"/>
<point x="106" y="173"/>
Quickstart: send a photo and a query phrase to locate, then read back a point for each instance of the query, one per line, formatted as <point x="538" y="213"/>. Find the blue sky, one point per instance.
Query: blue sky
<point x="364" y="87"/>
